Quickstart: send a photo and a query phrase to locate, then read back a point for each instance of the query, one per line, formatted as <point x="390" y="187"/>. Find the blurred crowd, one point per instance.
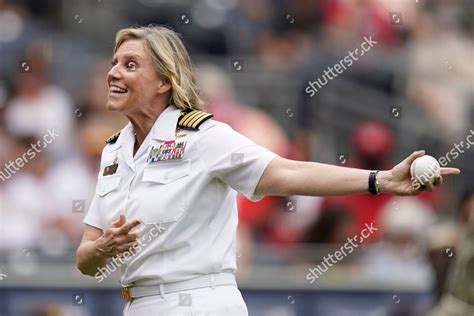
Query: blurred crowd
<point x="53" y="78"/>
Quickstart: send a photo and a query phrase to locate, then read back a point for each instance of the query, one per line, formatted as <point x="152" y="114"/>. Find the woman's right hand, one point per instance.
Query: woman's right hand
<point x="118" y="238"/>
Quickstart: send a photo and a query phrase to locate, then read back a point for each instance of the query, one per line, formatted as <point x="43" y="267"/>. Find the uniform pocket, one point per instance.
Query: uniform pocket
<point x="164" y="191"/>
<point x="166" y="172"/>
<point x="107" y="184"/>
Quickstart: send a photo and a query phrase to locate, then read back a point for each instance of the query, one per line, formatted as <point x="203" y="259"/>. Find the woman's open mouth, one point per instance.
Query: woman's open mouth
<point x="113" y="89"/>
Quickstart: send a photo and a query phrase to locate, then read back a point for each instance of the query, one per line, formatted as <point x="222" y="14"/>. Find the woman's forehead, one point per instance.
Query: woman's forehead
<point x="131" y="48"/>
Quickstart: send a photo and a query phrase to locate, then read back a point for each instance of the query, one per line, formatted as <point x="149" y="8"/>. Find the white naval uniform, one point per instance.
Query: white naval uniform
<point x="190" y="205"/>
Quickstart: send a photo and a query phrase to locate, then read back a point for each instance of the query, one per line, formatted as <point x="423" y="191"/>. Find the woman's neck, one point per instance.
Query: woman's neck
<point x="142" y="124"/>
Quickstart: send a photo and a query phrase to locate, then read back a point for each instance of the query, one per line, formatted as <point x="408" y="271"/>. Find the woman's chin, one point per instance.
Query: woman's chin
<point x="113" y="106"/>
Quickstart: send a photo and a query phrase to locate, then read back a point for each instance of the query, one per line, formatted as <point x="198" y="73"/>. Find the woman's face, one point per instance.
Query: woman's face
<point x="133" y="82"/>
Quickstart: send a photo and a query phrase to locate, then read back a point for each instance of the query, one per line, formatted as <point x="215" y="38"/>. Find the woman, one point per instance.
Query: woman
<point x="174" y="172"/>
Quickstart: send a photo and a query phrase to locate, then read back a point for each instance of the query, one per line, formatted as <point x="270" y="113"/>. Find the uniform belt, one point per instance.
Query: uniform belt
<point x="208" y="280"/>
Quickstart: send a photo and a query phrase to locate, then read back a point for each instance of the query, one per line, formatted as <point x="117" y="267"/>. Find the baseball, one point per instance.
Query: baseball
<point x="425" y="168"/>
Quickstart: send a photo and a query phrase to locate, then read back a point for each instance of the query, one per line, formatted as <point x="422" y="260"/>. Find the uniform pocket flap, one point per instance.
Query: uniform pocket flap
<point x="107" y="184"/>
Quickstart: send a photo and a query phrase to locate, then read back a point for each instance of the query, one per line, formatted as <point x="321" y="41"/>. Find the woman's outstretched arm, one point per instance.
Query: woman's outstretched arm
<point x="285" y="177"/>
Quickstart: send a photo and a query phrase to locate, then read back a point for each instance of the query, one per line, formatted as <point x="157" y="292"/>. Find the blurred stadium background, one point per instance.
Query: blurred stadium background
<point x="254" y="59"/>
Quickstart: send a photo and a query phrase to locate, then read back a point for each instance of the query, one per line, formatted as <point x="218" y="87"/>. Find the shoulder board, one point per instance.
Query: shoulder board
<point x="193" y="119"/>
<point x="112" y="139"/>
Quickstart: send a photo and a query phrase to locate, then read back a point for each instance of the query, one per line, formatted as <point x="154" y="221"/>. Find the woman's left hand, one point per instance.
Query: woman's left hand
<point x="399" y="181"/>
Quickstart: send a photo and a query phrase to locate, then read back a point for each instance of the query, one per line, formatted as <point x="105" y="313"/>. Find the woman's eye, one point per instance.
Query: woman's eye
<point x="131" y="66"/>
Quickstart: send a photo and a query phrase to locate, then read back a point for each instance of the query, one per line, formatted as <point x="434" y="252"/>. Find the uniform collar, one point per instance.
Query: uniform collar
<point x="165" y="125"/>
<point x="164" y="128"/>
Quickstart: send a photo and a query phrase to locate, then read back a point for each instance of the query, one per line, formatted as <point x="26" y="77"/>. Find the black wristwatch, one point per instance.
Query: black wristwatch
<point x="373" y="183"/>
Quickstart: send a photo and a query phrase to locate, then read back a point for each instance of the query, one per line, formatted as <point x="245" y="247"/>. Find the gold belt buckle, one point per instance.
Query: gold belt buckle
<point x="126" y="293"/>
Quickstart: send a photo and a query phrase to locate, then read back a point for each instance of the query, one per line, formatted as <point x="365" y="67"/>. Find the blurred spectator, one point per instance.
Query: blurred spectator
<point x="283" y="51"/>
<point x="401" y="256"/>
<point x="440" y="76"/>
<point x="334" y="226"/>
<point x="6" y="154"/>
<point x="74" y="179"/>
<point x="374" y="144"/>
<point x="11" y="22"/>
<point x="466" y="207"/>
<point x="458" y="299"/>
<point x="444" y="238"/>
<point x="58" y="193"/>
<point x="12" y="26"/>
<point x="27" y="199"/>
<point x="248" y="21"/>
<point x="348" y="21"/>
<point x="3" y="99"/>
<point x="38" y="106"/>
<point x="290" y="224"/>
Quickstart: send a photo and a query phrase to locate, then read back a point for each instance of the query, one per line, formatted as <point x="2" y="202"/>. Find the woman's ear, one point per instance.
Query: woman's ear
<point x="164" y="86"/>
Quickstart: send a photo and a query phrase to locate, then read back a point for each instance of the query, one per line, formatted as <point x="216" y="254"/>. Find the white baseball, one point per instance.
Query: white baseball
<point x="425" y="168"/>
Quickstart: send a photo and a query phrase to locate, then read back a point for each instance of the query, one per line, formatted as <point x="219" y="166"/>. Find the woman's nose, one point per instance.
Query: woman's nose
<point x="113" y="73"/>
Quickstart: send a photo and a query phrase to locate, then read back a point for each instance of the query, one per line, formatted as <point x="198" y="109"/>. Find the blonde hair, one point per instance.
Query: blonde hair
<point x="171" y="61"/>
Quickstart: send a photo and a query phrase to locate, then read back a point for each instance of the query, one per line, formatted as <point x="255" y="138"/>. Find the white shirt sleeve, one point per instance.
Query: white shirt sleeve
<point x="93" y="216"/>
<point x="234" y="159"/>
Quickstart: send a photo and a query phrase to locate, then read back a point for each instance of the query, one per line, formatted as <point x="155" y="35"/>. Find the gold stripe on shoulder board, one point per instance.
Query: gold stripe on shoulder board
<point x="194" y="119"/>
<point x="112" y="139"/>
